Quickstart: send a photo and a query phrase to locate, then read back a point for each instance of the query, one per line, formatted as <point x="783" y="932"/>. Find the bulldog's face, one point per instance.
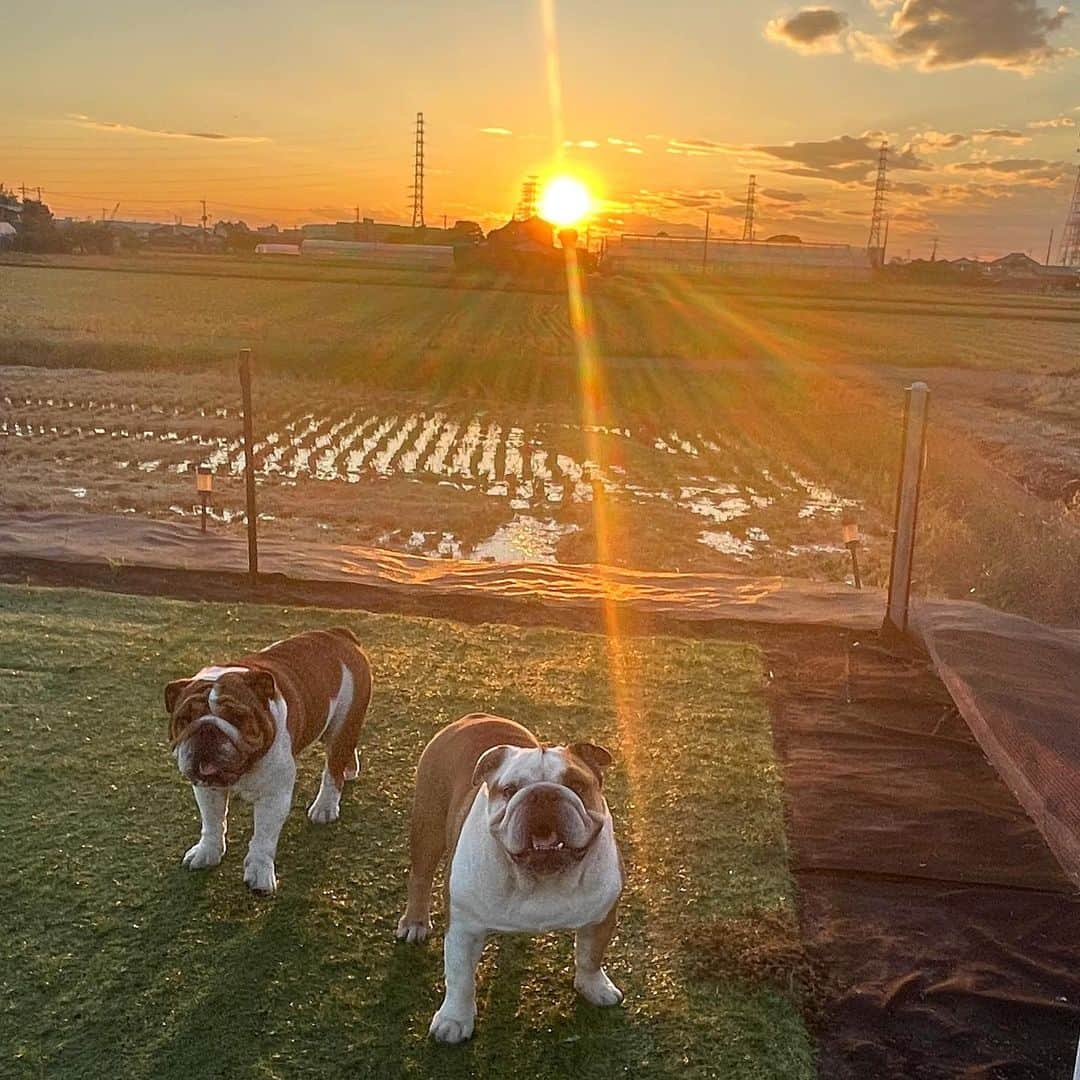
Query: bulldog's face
<point x="218" y="729"/>
<point x="545" y="806"/>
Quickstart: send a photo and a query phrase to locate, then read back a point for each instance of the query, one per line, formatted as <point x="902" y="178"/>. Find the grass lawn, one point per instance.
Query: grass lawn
<point x="115" y="962"/>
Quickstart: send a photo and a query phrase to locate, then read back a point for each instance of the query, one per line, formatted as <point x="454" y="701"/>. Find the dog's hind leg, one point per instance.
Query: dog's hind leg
<point x="427" y="843"/>
<point x="342" y="732"/>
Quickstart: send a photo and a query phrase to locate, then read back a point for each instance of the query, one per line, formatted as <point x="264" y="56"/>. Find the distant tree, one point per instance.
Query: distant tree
<point x="38" y="231"/>
<point x="88" y="238"/>
<point x="466" y="232"/>
<point x="238" y="238"/>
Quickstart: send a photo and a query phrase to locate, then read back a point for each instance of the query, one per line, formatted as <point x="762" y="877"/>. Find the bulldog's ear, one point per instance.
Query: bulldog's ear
<point x="262" y="683"/>
<point x="596" y="757"/>
<point x="173" y="692"/>
<point x="488" y="762"/>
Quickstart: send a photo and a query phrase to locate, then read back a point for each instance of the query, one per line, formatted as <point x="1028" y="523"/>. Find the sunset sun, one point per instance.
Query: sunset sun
<point x="565" y="201"/>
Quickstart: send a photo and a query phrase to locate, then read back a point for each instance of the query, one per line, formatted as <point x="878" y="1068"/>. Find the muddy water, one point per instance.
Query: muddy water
<point x="535" y="471"/>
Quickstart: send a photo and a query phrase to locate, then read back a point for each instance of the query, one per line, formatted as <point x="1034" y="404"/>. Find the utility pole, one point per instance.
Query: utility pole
<point x="418" y="175"/>
<point x="748" y="220"/>
<point x="356" y="224"/>
<point x="203" y="224"/>
<point x="1049" y="245"/>
<point x="933" y="251"/>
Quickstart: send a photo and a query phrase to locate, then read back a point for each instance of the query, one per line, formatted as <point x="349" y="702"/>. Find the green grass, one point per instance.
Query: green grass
<point x="408" y="332"/>
<point x="115" y="962"/>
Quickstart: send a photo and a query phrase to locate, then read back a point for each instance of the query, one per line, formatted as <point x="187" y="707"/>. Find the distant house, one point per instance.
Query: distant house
<point x="1020" y="271"/>
<point x="1015" y="265"/>
<point x="183" y="238"/>
<point x="7" y="234"/>
<point x="968" y="266"/>
<point x="10" y="208"/>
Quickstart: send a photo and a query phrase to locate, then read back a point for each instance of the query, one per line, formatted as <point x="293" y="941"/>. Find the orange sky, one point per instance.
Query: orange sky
<point x="289" y="113"/>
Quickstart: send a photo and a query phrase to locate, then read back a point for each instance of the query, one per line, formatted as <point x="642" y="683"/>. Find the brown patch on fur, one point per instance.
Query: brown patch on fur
<point x="584" y="782"/>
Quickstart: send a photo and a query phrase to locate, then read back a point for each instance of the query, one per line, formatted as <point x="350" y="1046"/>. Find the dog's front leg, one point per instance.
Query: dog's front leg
<point x="271" y="810"/>
<point x="590" y="979"/>
<point x="462" y="946"/>
<point x="213" y="809"/>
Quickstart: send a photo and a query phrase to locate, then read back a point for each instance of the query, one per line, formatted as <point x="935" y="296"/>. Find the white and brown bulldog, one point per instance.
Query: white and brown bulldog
<point x="240" y="726"/>
<point x="531" y="848"/>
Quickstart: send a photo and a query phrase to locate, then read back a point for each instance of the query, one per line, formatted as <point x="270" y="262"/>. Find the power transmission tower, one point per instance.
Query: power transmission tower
<point x="1070" y="241"/>
<point x="418" y="175"/>
<point x="751" y="202"/>
<point x="874" y="244"/>
<point x="527" y="206"/>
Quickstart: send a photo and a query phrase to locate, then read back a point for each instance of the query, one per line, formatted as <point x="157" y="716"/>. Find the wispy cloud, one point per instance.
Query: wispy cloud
<point x="160" y="133"/>
<point x="1056" y="122"/>
<point x="496" y="131"/>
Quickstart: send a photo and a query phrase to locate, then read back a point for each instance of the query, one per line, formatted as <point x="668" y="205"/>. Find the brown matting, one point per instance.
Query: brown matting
<point x="947" y="931"/>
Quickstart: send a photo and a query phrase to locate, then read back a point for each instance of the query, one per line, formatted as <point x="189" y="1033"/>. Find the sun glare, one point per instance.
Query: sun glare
<point x="565" y="201"/>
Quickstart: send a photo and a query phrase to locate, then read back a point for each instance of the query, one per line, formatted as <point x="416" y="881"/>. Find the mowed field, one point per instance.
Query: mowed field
<point x="731" y="429"/>
<point x="117" y="962"/>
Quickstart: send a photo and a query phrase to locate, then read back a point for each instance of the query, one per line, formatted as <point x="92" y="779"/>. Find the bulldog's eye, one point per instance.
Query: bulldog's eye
<point x="509" y="791"/>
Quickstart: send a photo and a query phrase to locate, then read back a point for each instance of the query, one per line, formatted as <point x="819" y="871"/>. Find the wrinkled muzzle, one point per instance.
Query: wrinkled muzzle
<point x="546" y="827"/>
<point x="212" y="751"/>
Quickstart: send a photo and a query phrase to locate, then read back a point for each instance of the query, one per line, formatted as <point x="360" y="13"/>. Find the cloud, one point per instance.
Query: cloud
<point x="699" y="147"/>
<point x="929" y="141"/>
<point x="1056" y="122"/>
<point x="160" y="133"/>
<point x="844" y="160"/>
<point x="1004" y="134"/>
<point x="811" y="30"/>
<point x="1017" y="171"/>
<point x="1013" y="35"/>
<point x="784" y="196"/>
<point x="496" y="131"/>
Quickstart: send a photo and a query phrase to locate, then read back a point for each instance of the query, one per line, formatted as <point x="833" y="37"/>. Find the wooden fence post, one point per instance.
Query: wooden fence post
<point x="912" y="458"/>
<point x="249" y="467"/>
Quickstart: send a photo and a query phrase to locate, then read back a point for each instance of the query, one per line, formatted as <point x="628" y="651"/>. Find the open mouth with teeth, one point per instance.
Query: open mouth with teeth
<point x="547" y="853"/>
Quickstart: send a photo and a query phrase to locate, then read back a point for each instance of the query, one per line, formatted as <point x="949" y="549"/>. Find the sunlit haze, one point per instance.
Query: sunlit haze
<point x="293" y="114"/>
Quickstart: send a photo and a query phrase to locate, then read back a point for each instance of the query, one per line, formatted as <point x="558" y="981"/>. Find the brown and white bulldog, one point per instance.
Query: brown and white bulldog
<point x="531" y="848"/>
<point x="240" y="726"/>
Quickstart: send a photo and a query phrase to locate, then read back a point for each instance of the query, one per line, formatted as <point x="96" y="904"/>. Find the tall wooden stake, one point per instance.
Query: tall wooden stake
<point x="249" y="467"/>
<point x="907" y="504"/>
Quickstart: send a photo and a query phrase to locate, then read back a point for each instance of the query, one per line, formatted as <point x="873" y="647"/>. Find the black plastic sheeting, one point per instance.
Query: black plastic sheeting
<point x="948" y="933"/>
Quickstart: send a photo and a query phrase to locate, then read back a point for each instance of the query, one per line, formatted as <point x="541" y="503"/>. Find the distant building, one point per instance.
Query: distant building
<point x="634" y="254"/>
<point x="7" y="234"/>
<point x="1021" y="272"/>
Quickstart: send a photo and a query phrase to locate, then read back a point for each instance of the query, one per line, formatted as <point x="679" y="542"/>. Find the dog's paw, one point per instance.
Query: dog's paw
<point x="323" y="811"/>
<point x="259" y="874"/>
<point x="449" y="1029"/>
<point x="203" y="855"/>
<point x="597" y="989"/>
<point x="412" y="930"/>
